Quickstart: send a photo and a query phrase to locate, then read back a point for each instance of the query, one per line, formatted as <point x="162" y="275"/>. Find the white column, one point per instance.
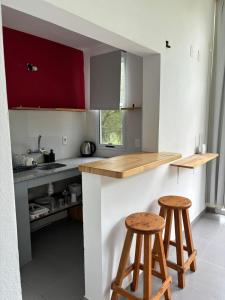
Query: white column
<point x="10" y="287"/>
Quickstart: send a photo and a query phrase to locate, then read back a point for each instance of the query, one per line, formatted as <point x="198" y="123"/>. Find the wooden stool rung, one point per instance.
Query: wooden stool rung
<point x="154" y="272"/>
<point x="128" y="270"/>
<point x="190" y="259"/>
<point x="175" y="266"/>
<point x="124" y="292"/>
<point x="173" y="243"/>
<point x="162" y="289"/>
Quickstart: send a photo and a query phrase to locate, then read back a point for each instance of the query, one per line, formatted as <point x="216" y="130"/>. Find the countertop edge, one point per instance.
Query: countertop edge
<point x="87" y="168"/>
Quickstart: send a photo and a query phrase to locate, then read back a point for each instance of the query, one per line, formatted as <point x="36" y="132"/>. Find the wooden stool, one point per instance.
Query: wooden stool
<point x="143" y="225"/>
<point x="179" y="207"/>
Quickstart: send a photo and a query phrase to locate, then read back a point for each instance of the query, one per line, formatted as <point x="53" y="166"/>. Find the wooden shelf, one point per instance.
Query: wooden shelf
<point x="194" y="161"/>
<point x="128" y="165"/>
<point x="131" y="108"/>
<point x="49" y="109"/>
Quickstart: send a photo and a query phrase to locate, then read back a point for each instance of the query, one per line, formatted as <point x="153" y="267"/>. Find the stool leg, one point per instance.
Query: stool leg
<point x="179" y="246"/>
<point x="123" y="262"/>
<point x="162" y="263"/>
<point x="167" y="234"/>
<point x="147" y="267"/>
<point x="162" y="214"/>
<point x="188" y="236"/>
<point x="137" y="262"/>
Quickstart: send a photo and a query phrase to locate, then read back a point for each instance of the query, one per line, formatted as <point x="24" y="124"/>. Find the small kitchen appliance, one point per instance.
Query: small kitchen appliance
<point x="75" y="191"/>
<point x="87" y="149"/>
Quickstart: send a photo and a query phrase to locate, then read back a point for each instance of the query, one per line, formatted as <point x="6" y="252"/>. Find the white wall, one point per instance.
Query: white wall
<point x="25" y="126"/>
<point x="9" y="258"/>
<point x="184" y="23"/>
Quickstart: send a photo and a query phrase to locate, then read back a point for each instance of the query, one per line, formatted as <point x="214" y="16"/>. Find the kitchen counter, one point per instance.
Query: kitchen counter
<point x="127" y="165"/>
<point x="70" y="163"/>
<point x="34" y="178"/>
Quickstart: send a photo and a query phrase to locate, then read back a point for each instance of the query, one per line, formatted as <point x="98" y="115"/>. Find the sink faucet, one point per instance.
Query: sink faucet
<point x="39" y="150"/>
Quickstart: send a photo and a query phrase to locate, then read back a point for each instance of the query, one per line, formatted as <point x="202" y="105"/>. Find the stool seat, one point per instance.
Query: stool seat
<point x="145" y="223"/>
<point x="175" y="202"/>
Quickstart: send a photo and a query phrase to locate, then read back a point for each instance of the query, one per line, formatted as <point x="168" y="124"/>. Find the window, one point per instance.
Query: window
<point x="111" y="128"/>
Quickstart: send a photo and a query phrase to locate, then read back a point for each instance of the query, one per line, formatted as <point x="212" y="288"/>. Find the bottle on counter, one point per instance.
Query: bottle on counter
<point x="50" y="189"/>
<point x="51" y="156"/>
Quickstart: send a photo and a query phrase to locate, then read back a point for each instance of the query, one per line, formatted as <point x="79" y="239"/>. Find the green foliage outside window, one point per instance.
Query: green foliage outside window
<point x="111" y="127"/>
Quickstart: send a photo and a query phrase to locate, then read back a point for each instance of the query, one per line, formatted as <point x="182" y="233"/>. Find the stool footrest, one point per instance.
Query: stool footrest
<point x="124" y="292"/>
<point x="175" y="266"/>
<point x="185" y="267"/>
<point x="162" y="289"/>
<point x="191" y="258"/>
<point x="128" y="270"/>
<point x="154" y="272"/>
<point x="173" y="243"/>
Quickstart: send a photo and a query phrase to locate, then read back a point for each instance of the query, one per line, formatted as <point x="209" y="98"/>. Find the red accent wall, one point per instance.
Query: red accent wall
<point x="59" y="81"/>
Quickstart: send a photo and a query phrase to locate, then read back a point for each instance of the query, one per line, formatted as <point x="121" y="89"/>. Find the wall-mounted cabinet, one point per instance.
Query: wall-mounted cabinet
<point x="116" y="81"/>
<point x="41" y="73"/>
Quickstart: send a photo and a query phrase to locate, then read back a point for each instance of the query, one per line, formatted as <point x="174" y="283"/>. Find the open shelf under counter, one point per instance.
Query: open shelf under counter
<point x="194" y="161"/>
<point x="57" y="210"/>
<point x="49" y="109"/>
<point x="128" y="165"/>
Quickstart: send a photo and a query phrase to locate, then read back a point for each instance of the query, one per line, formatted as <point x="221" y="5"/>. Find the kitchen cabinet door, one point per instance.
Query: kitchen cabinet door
<point x="57" y="80"/>
<point x="116" y="81"/>
<point x="134" y="80"/>
<point x="105" y="70"/>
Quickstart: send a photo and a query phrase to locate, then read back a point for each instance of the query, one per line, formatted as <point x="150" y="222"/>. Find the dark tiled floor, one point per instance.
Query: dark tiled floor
<point x="56" y="271"/>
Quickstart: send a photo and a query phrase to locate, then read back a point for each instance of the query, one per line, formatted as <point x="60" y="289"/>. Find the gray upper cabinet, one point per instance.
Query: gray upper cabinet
<point x="133" y="80"/>
<point x="116" y="81"/>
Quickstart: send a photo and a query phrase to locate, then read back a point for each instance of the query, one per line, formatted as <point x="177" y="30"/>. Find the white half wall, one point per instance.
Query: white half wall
<point x="108" y="201"/>
<point x="10" y="287"/>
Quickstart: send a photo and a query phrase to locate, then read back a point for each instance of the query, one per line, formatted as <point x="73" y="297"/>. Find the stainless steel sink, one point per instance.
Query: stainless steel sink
<point x="51" y="166"/>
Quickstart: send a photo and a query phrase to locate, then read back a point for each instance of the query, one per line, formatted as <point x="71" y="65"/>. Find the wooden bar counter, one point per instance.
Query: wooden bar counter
<point x="128" y="165"/>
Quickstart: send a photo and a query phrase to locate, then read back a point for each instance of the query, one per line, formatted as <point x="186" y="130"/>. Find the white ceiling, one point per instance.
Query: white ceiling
<point x="20" y="21"/>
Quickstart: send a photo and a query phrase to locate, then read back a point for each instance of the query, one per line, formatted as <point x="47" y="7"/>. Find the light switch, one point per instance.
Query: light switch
<point x="64" y="140"/>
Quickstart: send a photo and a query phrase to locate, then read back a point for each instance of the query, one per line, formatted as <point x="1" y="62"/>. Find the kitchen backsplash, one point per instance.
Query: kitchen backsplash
<point x="25" y="126"/>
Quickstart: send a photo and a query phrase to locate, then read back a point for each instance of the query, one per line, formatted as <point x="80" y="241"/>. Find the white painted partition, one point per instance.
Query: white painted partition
<point x="108" y="201"/>
<point x="9" y="258"/>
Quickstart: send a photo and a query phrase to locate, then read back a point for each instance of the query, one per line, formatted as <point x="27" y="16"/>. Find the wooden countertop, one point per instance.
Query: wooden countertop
<point x="194" y="161"/>
<point x="127" y="165"/>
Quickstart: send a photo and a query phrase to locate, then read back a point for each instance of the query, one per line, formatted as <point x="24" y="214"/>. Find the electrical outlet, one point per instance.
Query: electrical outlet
<point x="64" y="140"/>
